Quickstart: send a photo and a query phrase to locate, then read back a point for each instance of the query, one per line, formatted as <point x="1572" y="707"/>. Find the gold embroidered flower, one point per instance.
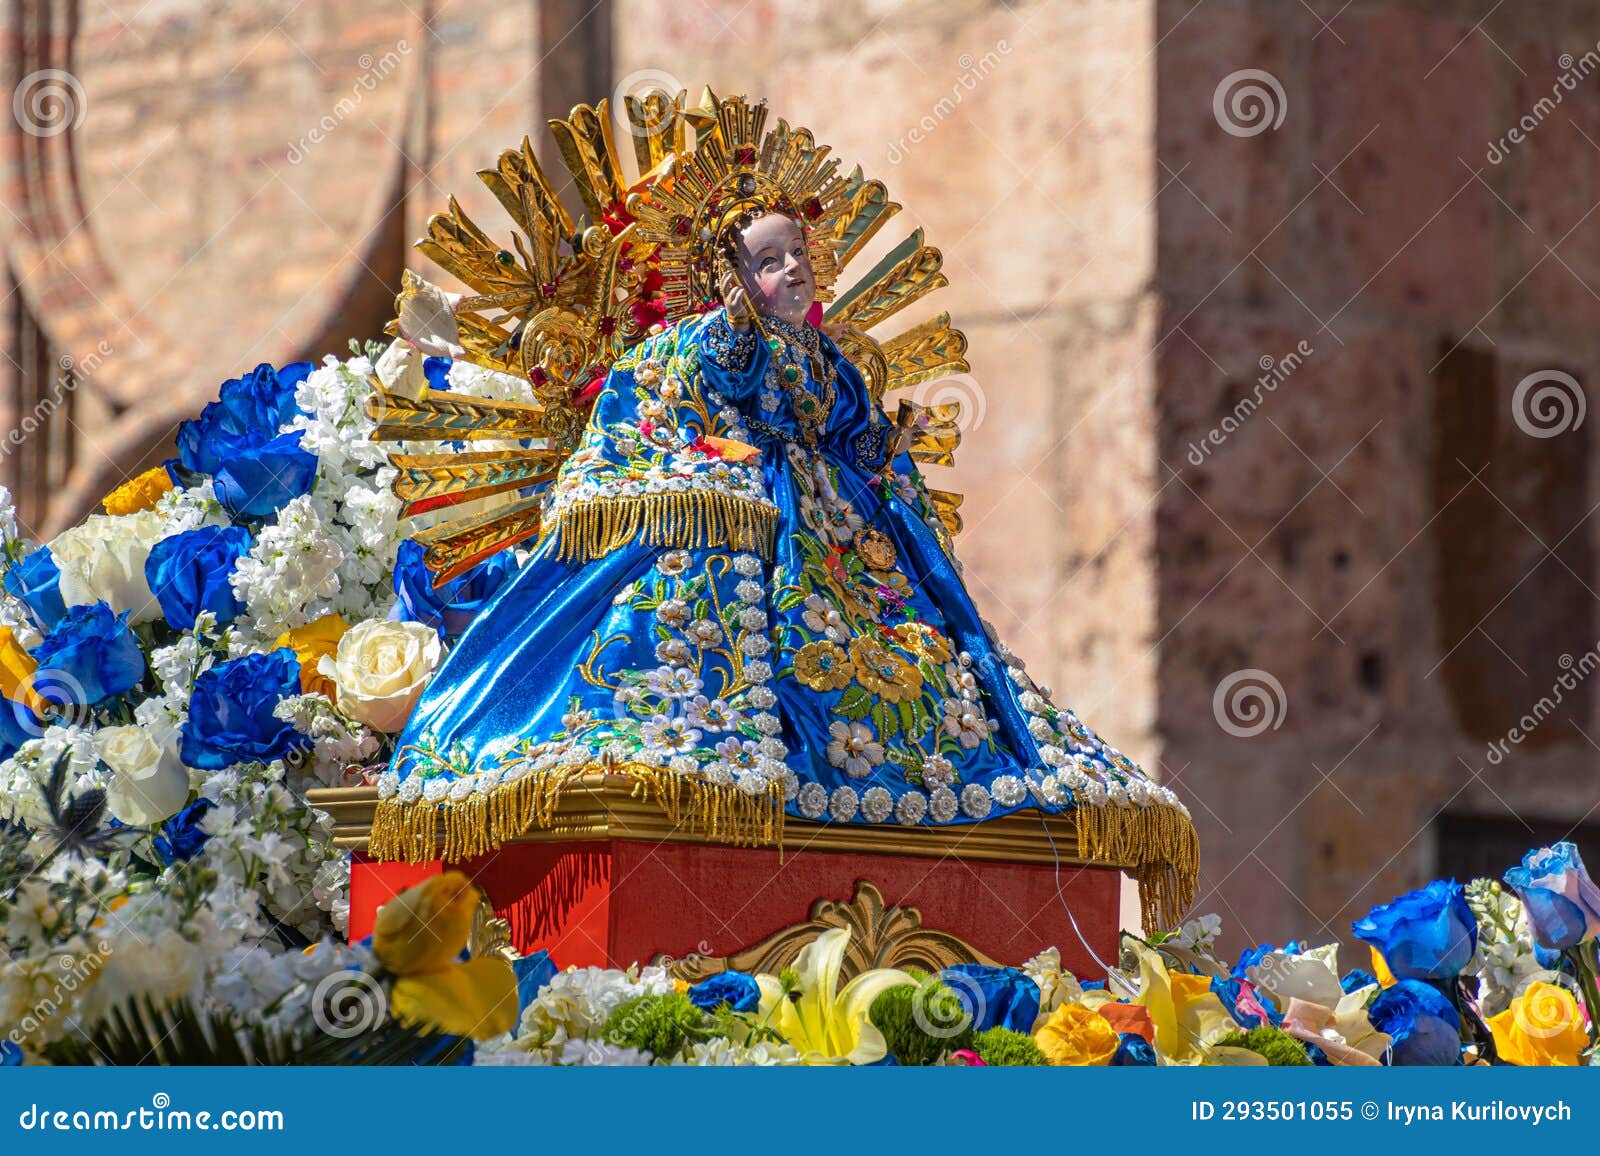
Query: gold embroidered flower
<point x="884" y="673"/>
<point x="822" y="665"/>
<point x="924" y="641"/>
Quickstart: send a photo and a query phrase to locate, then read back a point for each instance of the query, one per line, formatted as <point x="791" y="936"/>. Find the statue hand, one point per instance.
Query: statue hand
<point x="737" y="301"/>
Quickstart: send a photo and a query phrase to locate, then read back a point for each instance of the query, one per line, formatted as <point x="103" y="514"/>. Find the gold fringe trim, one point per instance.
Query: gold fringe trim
<point x="1159" y="841"/>
<point x="592" y="529"/>
<point x="454" y="830"/>
<point x="1156" y="844"/>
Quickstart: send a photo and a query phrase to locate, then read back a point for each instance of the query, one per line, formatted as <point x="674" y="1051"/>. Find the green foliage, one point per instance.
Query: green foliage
<point x="1004" y="1048"/>
<point x="922" y="1021"/>
<point x="141" y="1032"/>
<point x="1280" y="1048"/>
<point x="658" y="1024"/>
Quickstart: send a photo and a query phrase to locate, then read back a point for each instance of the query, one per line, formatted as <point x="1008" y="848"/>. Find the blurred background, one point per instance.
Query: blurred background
<point x="1282" y="316"/>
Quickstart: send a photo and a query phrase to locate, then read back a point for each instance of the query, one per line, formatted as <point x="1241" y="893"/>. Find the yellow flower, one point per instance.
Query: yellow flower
<point x="823" y="666"/>
<point x="418" y="935"/>
<point x="311" y="643"/>
<point x="1542" y="1028"/>
<point x="1078" y="1036"/>
<point x="137" y="494"/>
<point x="825" y="1023"/>
<point x="884" y="673"/>
<point x="1380" y="968"/>
<point x="17" y="667"/>
<point x="1187" y="1014"/>
<point x="924" y="641"/>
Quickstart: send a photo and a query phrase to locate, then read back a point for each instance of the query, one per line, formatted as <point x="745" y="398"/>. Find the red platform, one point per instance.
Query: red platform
<point x="614" y="882"/>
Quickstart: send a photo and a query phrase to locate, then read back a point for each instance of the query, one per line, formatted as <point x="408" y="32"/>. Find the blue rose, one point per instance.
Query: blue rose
<point x="1425" y="1027"/>
<point x="236" y="440"/>
<point x="994" y="996"/>
<point x="1355" y="979"/>
<point x="189" y="572"/>
<point x="449" y="608"/>
<point x="437" y="371"/>
<point x="1133" y="1051"/>
<point x="1426" y="934"/>
<point x="1251" y="956"/>
<point x="1231" y="992"/>
<point x="1562" y="903"/>
<point x="36" y="582"/>
<point x="230" y="713"/>
<point x="18" y="724"/>
<point x="10" y="1054"/>
<point x="248" y="412"/>
<point x="734" y="988"/>
<point x="90" y="655"/>
<point x="261" y="480"/>
<point x="181" y="838"/>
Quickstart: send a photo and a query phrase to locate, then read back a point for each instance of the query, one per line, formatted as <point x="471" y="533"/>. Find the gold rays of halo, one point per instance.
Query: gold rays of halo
<point x="565" y="299"/>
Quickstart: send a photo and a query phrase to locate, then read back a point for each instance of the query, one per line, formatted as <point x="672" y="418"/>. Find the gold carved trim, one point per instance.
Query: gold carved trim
<point x="490" y="934"/>
<point x="598" y="807"/>
<point x="881" y="935"/>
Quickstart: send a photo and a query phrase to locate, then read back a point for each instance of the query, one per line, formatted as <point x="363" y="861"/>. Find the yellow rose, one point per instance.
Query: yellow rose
<point x="1077" y="1036"/>
<point x="1543" y="1027"/>
<point x="140" y="493"/>
<point x="418" y="935"/>
<point x="17" y="668"/>
<point x="380" y="668"/>
<point x="425" y="927"/>
<point x="312" y="643"/>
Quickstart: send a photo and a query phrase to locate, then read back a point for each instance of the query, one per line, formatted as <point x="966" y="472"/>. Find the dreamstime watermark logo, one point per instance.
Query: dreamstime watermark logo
<point x="374" y="70"/>
<point x="49" y="102"/>
<point x="1249" y="102"/>
<point x="959" y="389"/>
<point x="941" y="1017"/>
<point x="1274" y="372"/>
<point x="655" y="89"/>
<point x="974" y="70"/>
<point x="1249" y="702"/>
<point x="71" y="973"/>
<point x="72" y="374"/>
<point x="1573" y="672"/>
<point x="1572" y="70"/>
<point x="66" y="699"/>
<point x="344" y="1004"/>
<point x="1548" y="403"/>
<point x="1552" y="1010"/>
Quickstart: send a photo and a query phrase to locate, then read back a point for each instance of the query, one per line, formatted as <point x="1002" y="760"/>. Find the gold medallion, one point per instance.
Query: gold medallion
<point x="875" y="549"/>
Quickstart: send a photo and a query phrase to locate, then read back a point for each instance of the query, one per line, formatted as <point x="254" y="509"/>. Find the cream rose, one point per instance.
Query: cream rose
<point x="103" y="559"/>
<point x="380" y="668"/>
<point x="150" y="783"/>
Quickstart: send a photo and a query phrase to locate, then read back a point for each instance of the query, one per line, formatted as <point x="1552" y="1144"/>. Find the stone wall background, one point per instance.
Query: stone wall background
<point x="1379" y="546"/>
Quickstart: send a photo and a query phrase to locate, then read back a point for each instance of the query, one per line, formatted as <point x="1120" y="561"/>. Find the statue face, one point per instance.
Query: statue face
<point x="776" y="268"/>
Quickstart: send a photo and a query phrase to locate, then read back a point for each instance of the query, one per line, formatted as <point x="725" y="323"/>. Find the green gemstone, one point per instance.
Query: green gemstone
<point x="505" y="257"/>
<point x="791" y="374"/>
<point x="775" y="345"/>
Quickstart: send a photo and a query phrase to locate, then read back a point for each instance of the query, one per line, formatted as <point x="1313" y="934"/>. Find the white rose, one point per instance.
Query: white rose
<point x="103" y="559"/>
<point x="380" y="669"/>
<point x="150" y="783"/>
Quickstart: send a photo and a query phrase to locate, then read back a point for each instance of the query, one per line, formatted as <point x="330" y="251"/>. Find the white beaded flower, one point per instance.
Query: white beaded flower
<point x="812" y="800"/>
<point x="843" y="804"/>
<point x="876" y="803"/>
<point x="975" y="801"/>
<point x="1008" y="791"/>
<point x="910" y="808"/>
<point x="942" y="805"/>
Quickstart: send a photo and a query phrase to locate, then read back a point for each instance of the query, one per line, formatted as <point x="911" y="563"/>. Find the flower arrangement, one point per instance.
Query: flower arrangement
<point x="239" y="626"/>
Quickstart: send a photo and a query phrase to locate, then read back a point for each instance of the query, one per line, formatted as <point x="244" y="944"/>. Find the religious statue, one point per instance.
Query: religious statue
<point x="739" y="593"/>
